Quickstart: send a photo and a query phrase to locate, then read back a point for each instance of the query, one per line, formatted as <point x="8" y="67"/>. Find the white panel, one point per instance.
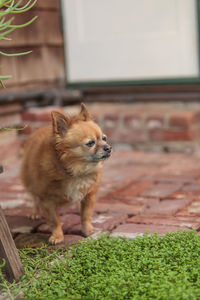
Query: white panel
<point x="130" y="39"/>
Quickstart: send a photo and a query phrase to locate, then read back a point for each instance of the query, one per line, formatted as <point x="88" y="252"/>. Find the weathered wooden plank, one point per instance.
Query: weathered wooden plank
<point x="55" y="69"/>
<point x="48" y="4"/>
<point x="45" y="4"/>
<point x="44" y="63"/>
<point x="8" y="67"/>
<point x="8" y="251"/>
<point x="26" y="37"/>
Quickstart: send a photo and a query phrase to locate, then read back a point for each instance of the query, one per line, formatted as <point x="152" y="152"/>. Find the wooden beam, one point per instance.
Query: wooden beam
<point x="48" y="95"/>
<point x="8" y="251"/>
<point x="169" y="88"/>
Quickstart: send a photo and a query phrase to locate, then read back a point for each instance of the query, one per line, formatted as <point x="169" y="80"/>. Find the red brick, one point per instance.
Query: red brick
<point x="10" y="121"/>
<point x="193" y="188"/>
<point x="113" y="179"/>
<point x="18" y="211"/>
<point x="119" y="175"/>
<point x="182" y="221"/>
<point x="168" y="207"/>
<point x="28" y="115"/>
<point x="6" y="197"/>
<point x="180" y="195"/>
<point x="108" y="221"/>
<point x="11" y="200"/>
<point x="76" y="229"/>
<point x="44" y="116"/>
<point x="184" y="119"/>
<point x="96" y="118"/>
<point x="22" y="224"/>
<point x="68" y="221"/>
<point x="161" y="190"/>
<point x="155" y="122"/>
<point x="69" y="209"/>
<point x="133" y="189"/>
<point x="137" y="202"/>
<point x="111" y="121"/>
<point x="172" y="135"/>
<point x="11" y="171"/>
<point x="118" y="207"/>
<point x="10" y="109"/>
<point x="143" y="228"/>
<point x="9" y="152"/>
<point x="106" y="188"/>
<point x="169" y="177"/>
<point x="147" y="202"/>
<point x="191" y="210"/>
<point x="134" y="121"/>
<point x="7" y="136"/>
<point x="11" y="187"/>
<point x="126" y="136"/>
<point x="40" y="114"/>
<point x="140" y="200"/>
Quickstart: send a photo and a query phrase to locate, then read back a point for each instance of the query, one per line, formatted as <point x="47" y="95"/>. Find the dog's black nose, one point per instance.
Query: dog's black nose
<point x="107" y="148"/>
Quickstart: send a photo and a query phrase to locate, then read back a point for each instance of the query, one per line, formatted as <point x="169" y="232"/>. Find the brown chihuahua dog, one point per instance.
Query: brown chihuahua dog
<point x="63" y="164"/>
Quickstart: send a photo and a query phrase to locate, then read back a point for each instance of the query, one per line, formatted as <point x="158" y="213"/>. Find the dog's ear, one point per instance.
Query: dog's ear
<point x="60" y="123"/>
<point x="84" y="114"/>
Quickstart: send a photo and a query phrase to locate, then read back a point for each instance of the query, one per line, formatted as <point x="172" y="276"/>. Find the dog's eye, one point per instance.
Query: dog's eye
<point x="90" y="143"/>
<point x="104" y="138"/>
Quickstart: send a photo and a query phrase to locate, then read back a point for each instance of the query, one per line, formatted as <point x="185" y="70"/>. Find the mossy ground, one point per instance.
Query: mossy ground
<point x="148" y="267"/>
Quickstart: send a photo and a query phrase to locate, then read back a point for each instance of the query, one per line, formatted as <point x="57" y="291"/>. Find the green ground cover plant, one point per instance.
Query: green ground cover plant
<point x="148" y="267"/>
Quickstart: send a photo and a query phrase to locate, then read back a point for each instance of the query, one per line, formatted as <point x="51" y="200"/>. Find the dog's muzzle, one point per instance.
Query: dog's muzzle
<point x="104" y="154"/>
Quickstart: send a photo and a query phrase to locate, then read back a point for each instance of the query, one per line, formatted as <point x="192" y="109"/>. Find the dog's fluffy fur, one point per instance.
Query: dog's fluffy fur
<point x="63" y="164"/>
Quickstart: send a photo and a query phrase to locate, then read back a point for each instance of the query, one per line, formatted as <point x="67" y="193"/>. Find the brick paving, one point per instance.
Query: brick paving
<point x="140" y="192"/>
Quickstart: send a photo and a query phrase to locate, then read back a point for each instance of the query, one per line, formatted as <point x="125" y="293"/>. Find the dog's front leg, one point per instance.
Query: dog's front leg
<point x="87" y="205"/>
<point x="52" y="219"/>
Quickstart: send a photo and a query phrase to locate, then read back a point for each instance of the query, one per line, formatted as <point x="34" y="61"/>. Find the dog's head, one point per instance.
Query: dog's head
<point x="79" y="138"/>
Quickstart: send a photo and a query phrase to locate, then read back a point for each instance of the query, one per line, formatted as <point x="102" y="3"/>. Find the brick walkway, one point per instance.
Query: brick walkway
<point x="139" y="192"/>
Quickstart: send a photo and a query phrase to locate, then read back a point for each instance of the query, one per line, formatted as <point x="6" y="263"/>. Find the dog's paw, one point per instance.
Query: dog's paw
<point x="89" y="229"/>
<point x="56" y="238"/>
